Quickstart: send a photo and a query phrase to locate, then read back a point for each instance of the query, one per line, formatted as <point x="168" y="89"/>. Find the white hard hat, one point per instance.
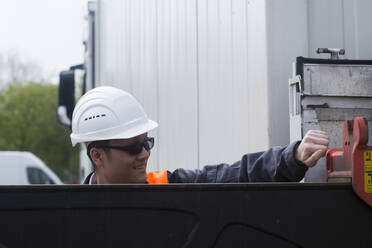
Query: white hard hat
<point x="105" y="113"/>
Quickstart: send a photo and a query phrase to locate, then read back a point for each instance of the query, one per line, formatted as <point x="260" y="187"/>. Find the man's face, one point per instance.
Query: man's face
<point x="121" y="167"/>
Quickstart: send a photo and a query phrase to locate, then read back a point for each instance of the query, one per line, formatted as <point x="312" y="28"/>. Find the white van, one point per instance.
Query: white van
<point x="24" y="168"/>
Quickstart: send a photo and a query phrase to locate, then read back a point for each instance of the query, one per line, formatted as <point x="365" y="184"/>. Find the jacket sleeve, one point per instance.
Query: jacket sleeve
<point x="274" y="165"/>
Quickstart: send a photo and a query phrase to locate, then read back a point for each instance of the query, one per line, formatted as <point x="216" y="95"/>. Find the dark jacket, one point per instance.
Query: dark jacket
<point x="274" y="165"/>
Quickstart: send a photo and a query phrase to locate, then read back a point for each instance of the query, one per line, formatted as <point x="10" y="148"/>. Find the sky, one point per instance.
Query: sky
<point x="46" y="32"/>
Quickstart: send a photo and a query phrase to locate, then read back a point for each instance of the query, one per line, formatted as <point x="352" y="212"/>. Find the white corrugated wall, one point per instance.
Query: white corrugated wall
<point x="214" y="73"/>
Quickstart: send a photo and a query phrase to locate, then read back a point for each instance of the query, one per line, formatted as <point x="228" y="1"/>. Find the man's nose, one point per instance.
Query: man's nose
<point x="144" y="154"/>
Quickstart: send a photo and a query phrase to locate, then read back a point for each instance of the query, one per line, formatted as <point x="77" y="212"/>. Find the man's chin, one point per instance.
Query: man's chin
<point x="141" y="179"/>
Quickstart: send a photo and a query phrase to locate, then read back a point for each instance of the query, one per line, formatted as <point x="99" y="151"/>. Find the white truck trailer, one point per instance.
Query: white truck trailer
<point x="214" y="74"/>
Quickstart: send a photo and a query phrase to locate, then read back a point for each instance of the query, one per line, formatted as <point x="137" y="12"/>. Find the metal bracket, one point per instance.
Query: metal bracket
<point x="295" y="90"/>
<point x="333" y="51"/>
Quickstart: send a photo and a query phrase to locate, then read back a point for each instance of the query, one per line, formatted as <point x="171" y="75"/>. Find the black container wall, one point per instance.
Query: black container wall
<point x="207" y="215"/>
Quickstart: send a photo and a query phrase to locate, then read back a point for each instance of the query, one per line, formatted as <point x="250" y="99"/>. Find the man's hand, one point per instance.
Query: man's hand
<point x="312" y="147"/>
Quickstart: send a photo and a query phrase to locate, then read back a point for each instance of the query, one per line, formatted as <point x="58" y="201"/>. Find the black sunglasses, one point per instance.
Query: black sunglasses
<point x="135" y="148"/>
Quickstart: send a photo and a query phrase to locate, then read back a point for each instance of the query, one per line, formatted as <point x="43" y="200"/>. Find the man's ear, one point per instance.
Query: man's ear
<point x="96" y="155"/>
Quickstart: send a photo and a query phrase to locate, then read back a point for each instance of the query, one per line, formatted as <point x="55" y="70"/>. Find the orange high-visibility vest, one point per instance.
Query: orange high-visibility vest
<point x="157" y="177"/>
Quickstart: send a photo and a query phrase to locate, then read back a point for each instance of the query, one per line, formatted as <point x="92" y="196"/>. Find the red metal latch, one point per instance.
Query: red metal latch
<point x="354" y="161"/>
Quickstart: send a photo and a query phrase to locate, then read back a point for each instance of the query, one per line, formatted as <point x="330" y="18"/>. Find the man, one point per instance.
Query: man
<point x="114" y="127"/>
